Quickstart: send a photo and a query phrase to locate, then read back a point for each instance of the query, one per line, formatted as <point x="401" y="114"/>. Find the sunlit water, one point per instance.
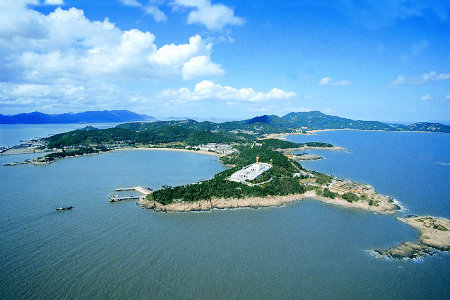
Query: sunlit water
<point x="303" y="250"/>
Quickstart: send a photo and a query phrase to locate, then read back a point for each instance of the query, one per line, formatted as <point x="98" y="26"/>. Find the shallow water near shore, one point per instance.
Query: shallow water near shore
<point x="306" y="249"/>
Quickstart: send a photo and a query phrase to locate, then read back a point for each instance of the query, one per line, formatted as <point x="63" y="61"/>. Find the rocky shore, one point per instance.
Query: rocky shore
<point x="434" y="235"/>
<point x="385" y="205"/>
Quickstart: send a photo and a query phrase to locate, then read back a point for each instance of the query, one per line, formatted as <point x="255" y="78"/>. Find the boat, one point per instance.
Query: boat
<point x="64" y="208"/>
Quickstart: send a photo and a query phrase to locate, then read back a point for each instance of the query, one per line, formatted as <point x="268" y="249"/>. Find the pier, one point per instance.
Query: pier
<point x="141" y="190"/>
<point x="116" y="198"/>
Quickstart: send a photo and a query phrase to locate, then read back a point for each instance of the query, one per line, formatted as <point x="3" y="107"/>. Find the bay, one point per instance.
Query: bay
<point x="303" y="250"/>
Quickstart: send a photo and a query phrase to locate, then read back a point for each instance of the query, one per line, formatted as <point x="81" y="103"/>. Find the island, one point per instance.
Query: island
<point x="260" y="176"/>
<point x="263" y="167"/>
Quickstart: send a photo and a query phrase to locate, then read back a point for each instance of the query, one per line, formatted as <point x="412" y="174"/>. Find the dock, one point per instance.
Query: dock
<point x="141" y="190"/>
<point x="116" y="198"/>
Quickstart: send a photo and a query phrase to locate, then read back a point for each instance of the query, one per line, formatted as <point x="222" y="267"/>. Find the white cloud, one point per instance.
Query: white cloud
<point x="424" y="78"/>
<point x="213" y="16"/>
<point x="425" y="97"/>
<point x="208" y="90"/>
<point x="54" y="2"/>
<point x="157" y="14"/>
<point x="200" y="66"/>
<point x="61" y="97"/>
<point x="68" y="46"/>
<point x="325" y="81"/>
<point x="134" y="3"/>
<point x="399" y="80"/>
<point x="328" y="81"/>
<point x="52" y="61"/>
<point x="151" y="9"/>
<point x="341" y="82"/>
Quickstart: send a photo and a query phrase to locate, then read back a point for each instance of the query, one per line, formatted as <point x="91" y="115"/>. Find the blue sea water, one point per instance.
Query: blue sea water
<point x="303" y="250"/>
<point x="14" y="134"/>
<point x="412" y="167"/>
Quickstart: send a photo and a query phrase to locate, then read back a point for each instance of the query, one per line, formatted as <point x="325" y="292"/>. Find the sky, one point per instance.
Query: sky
<point x="385" y="60"/>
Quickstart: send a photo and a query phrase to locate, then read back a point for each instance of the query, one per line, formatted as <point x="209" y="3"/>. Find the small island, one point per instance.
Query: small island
<point x="434" y="235"/>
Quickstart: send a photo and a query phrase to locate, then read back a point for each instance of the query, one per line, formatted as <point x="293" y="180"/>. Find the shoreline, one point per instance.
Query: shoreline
<point x="169" y="149"/>
<point x="434" y="236"/>
<point x="384" y="207"/>
<point x="312" y="132"/>
<point x="334" y="148"/>
<point x="283" y="136"/>
<point x="434" y="231"/>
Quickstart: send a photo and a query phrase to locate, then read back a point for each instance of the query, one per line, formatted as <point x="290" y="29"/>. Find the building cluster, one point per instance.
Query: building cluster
<point x="342" y="186"/>
<point x="223" y="149"/>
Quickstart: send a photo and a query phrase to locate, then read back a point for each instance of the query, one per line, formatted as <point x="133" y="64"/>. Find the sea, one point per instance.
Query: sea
<point x="303" y="250"/>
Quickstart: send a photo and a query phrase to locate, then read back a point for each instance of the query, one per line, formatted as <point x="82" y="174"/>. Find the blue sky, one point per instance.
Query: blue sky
<point x="206" y="59"/>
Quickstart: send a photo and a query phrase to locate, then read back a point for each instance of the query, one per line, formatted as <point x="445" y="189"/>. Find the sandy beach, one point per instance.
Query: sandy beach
<point x="169" y="149"/>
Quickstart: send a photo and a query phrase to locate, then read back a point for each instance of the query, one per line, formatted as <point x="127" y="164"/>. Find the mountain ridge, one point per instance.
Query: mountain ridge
<point x="104" y="116"/>
<point x="290" y="123"/>
<point x="264" y="124"/>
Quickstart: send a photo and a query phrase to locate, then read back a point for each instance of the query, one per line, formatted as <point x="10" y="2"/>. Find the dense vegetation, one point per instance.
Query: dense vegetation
<point x="278" y="144"/>
<point x="191" y="132"/>
<point x="120" y="135"/>
<point x="282" y="144"/>
<point x="282" y="183"/>
<point x="322" y="178"/>
<point x="329" y="194"/>
<point x="81" y="151"/>
<point x="318" y="144"/>
<point x="350" y="197"/>
<point x="247" y="156"/>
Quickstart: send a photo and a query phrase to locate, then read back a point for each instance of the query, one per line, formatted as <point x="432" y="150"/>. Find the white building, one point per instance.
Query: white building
<point x="250" y="172"/>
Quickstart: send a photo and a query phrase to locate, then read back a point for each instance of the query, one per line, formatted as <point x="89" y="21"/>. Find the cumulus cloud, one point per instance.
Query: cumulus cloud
<point x="214" y="16"/>
<point x="200" y="66"/>
<point x="67" y="45"/>
<point x="424" y="78"/>
<point x="426" y="97"/>
<point x="328" y="81"/>
<point x="206" y="89"/>
<point x="60" y="58"/>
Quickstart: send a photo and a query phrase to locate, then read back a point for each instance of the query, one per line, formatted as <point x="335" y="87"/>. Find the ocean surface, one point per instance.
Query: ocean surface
<point x="306" y="250"/>
<point x="14" y="134"/>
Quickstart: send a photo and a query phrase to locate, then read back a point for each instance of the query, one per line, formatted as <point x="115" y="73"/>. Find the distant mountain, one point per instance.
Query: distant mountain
<point x="318" y="120"/>
<point x="430" y="127"/>
<point x="104" y="116"/>
<point x="292" y="122"/>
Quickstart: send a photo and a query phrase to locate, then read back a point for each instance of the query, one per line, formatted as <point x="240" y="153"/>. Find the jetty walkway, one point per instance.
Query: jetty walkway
<point x="141" y="190"/>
